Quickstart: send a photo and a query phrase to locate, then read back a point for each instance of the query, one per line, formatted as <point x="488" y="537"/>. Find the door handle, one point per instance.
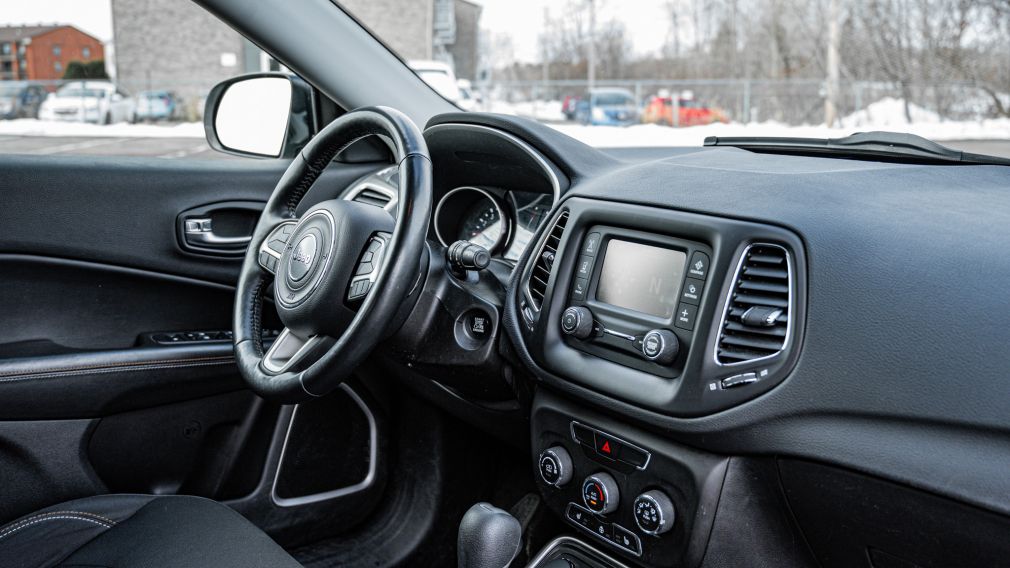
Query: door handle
<point x="218" y="229"/>
<point x="201" y="232"/>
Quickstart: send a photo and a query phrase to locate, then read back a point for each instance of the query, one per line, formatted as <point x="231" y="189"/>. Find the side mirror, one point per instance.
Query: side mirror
<point x="264" y="115"/>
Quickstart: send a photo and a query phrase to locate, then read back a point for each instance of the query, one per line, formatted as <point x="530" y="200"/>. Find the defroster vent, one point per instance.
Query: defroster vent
<point x="537" y="284"/>
<point x="756" y="323"/>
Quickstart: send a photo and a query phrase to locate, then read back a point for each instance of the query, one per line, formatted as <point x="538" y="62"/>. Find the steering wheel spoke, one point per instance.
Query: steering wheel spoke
<point x="367" y="269"/>
<point x="290" y="350"/>
<point x="273" y="246"/>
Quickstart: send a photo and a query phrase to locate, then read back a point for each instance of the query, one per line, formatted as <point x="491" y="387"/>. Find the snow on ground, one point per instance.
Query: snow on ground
<point x="33" y="127"/>
<point x="885" y="114"/>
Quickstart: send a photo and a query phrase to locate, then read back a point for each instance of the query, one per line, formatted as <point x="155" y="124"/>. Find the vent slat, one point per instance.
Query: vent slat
<point x="762" y="280"/>
<point x="541" y="273"/>
<point x="760" y="271"/>
<point x="752" y="341"/>
<point x="762" y="300"/>
<point x="778" y="331"/>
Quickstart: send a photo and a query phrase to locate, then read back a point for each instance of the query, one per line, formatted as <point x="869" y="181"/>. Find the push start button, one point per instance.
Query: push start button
<point x="474" y="328"/>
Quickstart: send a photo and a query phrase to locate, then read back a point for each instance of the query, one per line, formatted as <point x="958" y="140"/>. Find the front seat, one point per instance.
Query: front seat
<point x="138" y="531"/>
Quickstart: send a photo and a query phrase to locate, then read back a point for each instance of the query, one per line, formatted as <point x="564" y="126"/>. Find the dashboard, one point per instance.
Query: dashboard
<point x="693" y="322"/>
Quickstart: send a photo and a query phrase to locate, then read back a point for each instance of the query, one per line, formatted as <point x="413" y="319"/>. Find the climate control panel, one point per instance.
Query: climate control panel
<point x="634" y="493"/>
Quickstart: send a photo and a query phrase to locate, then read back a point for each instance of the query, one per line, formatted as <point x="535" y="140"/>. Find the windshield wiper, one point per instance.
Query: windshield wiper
<point x="885" y="146"/>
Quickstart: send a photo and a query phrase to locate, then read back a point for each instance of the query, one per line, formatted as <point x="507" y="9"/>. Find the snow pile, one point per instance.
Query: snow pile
<point x="33" y="127"/>
<point x="889" y="112"/>
<point x="547" y="111"/>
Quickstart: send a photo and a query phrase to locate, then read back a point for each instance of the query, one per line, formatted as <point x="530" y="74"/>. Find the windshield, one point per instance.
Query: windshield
<point x="70" y="92"/>
<point x="820" y="68"/>
<point x="7" y="90"/>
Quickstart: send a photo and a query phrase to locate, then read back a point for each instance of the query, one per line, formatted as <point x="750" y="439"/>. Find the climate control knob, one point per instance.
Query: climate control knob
<point x="654" y="512"/>
<point x="600" y="493"/>
<point x="660" y="346"/>
<point x="577" y="321"/>
<point x="556" y="466"/>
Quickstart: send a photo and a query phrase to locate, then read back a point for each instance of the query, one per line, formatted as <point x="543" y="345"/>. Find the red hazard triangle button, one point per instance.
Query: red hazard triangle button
<point x="607" y="447"/>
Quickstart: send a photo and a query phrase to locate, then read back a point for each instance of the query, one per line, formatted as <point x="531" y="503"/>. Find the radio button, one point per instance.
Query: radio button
<point x="692" y="291"/>
<point x="580" y="288"/>
<point x="577" y="322"/>
<point x="591" y="244"/>
<point x="685" y="316"/>
<point x="699" y="265"/>
<point x="585" y="267"/>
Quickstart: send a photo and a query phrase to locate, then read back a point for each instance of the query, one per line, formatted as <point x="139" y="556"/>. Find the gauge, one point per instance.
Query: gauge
<point x="531" y="210"/>
<point x="472" y="214"/>
<point x="481" y="224"/>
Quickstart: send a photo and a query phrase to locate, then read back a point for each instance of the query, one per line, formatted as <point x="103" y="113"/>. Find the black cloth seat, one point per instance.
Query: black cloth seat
<point x="138" y="531"/>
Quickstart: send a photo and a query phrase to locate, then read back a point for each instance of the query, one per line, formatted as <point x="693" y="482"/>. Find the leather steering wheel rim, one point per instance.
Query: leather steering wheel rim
<point x="398" y="270"/>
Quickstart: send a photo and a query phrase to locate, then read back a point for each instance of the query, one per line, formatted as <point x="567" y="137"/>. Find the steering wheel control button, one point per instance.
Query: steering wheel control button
<point x="698" y="268"/>
<point x="654" y="512"/>
<point x="577" y="321"/>
<point x="366" y="270"/>
<point x="591" y="244"/>
<point x="660" y="346"/>
<point x="685" y="316"/>
<point x="579" y="289"/>
<point x="556" y="466"/>
<point x="607" y="446"/>
<point x="692" y="291"/>
<point x="600" y="493"/>
<point x="302" y="257"/>
<point x="268" y="261"/>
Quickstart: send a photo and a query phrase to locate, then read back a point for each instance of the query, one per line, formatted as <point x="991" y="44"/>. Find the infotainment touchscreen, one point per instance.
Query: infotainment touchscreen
<point x="641" y="277"/>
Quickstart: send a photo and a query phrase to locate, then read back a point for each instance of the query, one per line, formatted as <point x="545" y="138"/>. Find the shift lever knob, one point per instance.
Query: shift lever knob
<point x="488" y="537"/>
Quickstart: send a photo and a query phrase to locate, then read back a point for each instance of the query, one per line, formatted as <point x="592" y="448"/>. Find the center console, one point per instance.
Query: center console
<point x="635" y="313"/>
<point x="631" y="493"/>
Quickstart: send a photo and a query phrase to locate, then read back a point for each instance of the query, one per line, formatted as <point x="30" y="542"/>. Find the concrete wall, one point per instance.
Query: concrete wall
<point x="464" y="51"/>
<point x="173" y="44"/>
<point x="403" y="25"/>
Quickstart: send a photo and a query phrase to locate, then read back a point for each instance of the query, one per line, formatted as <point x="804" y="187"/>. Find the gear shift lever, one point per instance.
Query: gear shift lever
<point x="488" y="537"/>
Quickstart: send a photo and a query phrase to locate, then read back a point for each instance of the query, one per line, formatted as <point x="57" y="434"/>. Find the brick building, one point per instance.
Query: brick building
<point x="41" y="53"/>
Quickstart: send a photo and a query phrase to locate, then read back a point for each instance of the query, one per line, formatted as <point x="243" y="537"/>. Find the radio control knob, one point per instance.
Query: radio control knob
<point x="654" y="512"/>
<point x="556" y="466"/>
<point x="600" y="493"/>
<point x="660" y="346"/>
<point x="577" y="321"/>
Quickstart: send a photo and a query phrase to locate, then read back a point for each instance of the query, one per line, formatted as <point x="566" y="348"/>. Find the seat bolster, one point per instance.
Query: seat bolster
<point x="47" y="537"/>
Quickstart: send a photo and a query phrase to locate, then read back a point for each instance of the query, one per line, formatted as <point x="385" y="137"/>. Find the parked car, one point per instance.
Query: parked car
<point x="157" y="105"/>
<point x="568" y="106"/>
<point x="20" y="99"/>
<point x="99" y="102"/>
<point x="607" y="107"/>
<point x="690" y="112"/>
<point x="440" y="77"/>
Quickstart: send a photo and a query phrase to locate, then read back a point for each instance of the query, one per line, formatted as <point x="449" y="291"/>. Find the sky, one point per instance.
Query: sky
<point x="523" y="19"/>
<point x="91" y="16"/>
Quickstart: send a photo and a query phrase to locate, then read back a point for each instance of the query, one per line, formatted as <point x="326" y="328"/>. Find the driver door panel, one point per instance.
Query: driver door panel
<point x="93" y="271"/>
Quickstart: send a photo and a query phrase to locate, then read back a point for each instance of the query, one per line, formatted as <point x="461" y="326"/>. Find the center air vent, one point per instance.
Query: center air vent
<point x="537" y="284"/>
<point x="372" y="196"/>
<point x="755" y="324"/>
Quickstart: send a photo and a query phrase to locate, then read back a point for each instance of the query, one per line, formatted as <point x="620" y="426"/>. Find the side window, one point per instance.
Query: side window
<point x="116" y="78"/>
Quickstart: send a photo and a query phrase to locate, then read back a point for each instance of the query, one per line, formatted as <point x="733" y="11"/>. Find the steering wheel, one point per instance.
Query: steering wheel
<point x="340" y="272"/>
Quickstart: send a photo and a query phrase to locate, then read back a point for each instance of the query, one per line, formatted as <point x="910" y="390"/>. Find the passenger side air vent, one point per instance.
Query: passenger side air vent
<point x="537" y="284"/>
<point x="755" y="324"/>
<point x="372" y="197"/>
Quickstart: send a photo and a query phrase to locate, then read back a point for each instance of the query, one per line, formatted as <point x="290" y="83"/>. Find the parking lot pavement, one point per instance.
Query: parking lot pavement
<point x="170" y="148"/>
